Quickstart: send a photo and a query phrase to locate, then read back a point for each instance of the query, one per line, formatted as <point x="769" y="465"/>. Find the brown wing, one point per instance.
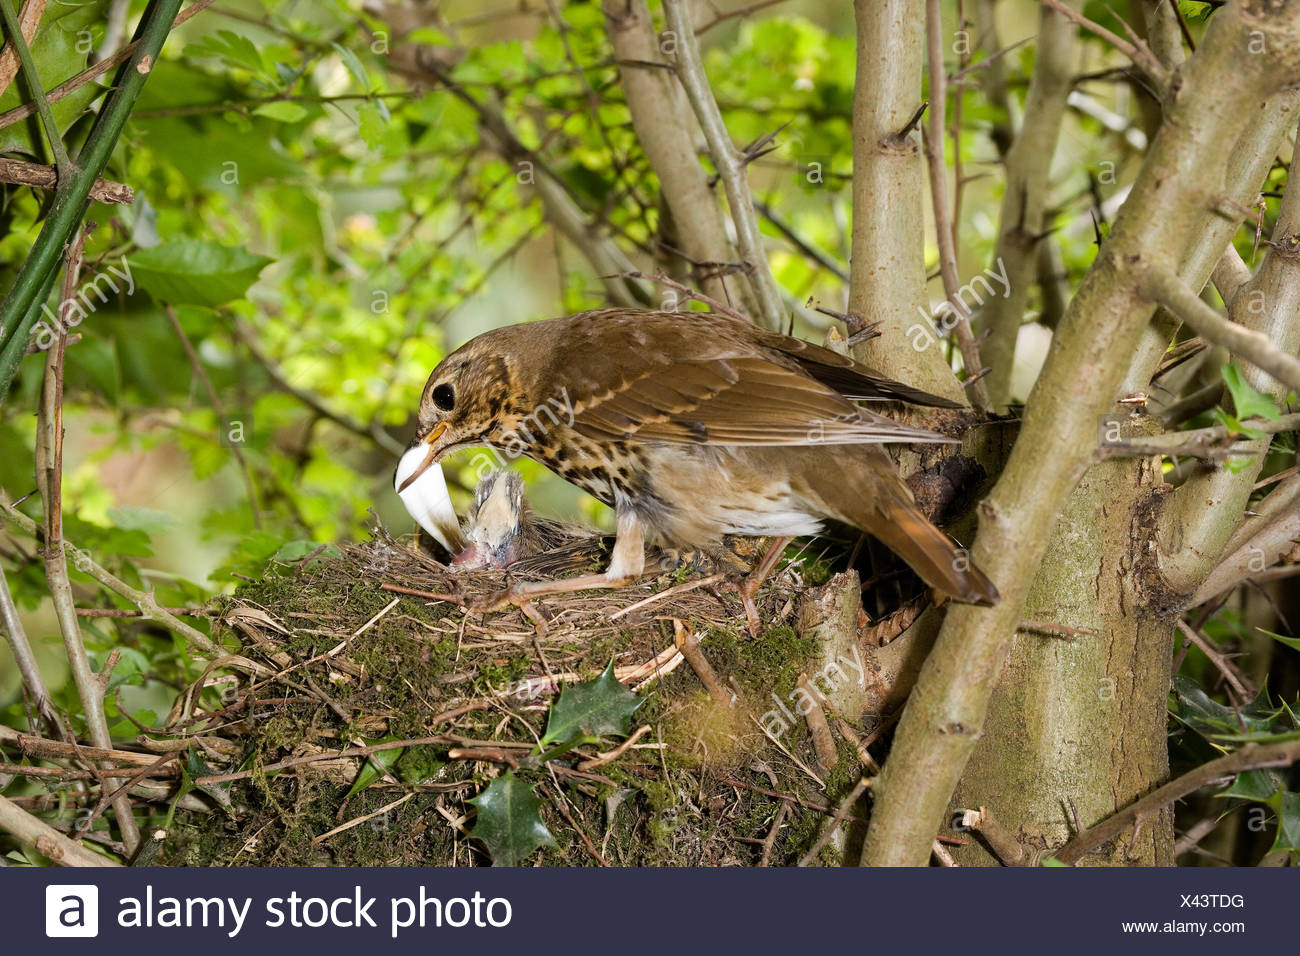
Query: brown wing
<point x="849" y="377"/>
<point x="659" y="377"/>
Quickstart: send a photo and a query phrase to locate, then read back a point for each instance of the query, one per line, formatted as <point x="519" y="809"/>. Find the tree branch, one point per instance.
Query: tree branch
<point x="29" y="19"/>
<point x="1165" y="287"/>
<point x="1250" y="757"/>
<point x="887" y="286"/>
<point x="44" y="839"/>
<point x="666" y="129"/>
<point x="1091" y="352"/>
<point x="944" y="228"/>
<point x="41" y="176"/>
<point x="731" y="168"/>
<point x="1023" y="218"/>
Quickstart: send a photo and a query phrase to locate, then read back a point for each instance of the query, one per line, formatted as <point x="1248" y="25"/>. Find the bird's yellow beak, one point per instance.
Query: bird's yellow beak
<point x="429" y="459"/>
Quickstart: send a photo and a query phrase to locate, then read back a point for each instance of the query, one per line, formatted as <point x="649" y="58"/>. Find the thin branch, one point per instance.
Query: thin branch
<point x="219" y="408"/>
<point x="49" y="479"/>
<point x="1165" y="287"/>
<point x="19" y="44"/>
<point x="730" y="165"/>
<point x="144" y="600"/>
<point x="1230" y="673"/>
<point x="25" y="659"/>
<point x="44" y="839"/>
<point x="372" y="431"/>
<point x="40" y="176"/>
<point x="1252" y="756"/>
<point x="92" y="73"/>
<point x="1138" y="51"/>
<point x="28" y="20"/>
<point x="21" y="306"/>
<point x="1213" y="443"/>
<point x="944" y="227"/>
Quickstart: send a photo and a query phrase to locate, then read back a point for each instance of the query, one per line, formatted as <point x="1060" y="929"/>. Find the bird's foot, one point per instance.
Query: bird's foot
<point x="747" y="587"/>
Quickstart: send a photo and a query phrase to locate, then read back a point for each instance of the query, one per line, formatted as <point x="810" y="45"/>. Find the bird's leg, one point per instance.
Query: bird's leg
<point x="625" y="566"/>
<point x="748" y="586"/>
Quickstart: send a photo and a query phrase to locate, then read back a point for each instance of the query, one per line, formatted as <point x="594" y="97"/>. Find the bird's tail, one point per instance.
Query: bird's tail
<point x="940" y="562"/>
<point x="863" y="488"/>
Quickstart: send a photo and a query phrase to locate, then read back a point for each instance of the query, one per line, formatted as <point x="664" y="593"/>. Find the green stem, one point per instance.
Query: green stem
<point x="10" y="17"/>
<point x="17" y="315"/>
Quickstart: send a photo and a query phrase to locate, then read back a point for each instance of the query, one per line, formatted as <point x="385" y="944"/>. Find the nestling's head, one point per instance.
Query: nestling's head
<point x="495" y="522"/>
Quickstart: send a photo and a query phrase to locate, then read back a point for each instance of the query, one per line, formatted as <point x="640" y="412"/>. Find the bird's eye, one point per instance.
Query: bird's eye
<point x="444" y="397"/>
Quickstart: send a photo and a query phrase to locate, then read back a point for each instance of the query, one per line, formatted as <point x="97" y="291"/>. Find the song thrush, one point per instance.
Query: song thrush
<point x="692" y="426"/>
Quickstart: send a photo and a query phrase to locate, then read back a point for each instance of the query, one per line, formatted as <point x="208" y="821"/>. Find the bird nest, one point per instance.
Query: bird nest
<point x="364" y="716"/>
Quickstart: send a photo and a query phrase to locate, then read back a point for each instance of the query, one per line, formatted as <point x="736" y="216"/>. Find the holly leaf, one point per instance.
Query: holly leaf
<point x="601" y="706"/>
<point x="509" y="823"/>
<point x="197" y="272"/>
<point x="1291" y="642"/>
<point x="1287" y="807"/>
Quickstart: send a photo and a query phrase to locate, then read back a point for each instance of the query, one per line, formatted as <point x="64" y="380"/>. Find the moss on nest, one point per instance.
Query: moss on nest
<point x="345" y="664"/>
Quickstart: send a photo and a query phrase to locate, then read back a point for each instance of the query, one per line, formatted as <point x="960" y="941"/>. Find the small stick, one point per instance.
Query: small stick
<point x="818" y="727"/>
<point x="1004" y="846"/>
<point x="689" y="644"/>
<point x="841" y="814"/>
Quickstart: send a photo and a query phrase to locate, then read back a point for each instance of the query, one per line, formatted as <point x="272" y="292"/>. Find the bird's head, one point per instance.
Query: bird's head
<point x="464" y="401"/>
<point x="495" y="522"/>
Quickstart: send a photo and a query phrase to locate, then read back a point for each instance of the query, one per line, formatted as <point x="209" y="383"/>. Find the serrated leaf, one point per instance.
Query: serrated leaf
<point x="598" y="707"/>
<point x="195" y="768"/>
<point x="509" y="821"/>
<point x="197" y="272"/>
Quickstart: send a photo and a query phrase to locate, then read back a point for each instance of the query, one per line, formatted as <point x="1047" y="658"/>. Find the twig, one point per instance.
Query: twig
<point x="769" y="841"/>
<point x="18" y="43"/>
<point x="1004" y="846"/>
<point x="219" y="408"/>
<point x="1166" y="288"/>
<point x="730" y="165"/>
<point x="372" y="431"/>
<point x="25" y="659"/>
<point x="943" y="223"/>
<point x="1138" y="52"/>
<point x="1221" y="663"/>
<point x="1213" y="443"/>
<point x="49" y="479"/>
<point x="144" y="600"/>
<point x="43" y="838"/>
<point x="1252" y="756"/>
<point x="818" y="727"/>
<point x="831" y="825"/>
<point x="601" y="759"/>
<point x="673" y="591"/>
<point x="40" y="176"/>
<point x="28" y="20"/>
<point x="20" y="113"/>
<point x="689" y="644"/>
<point x="357" y="821"/>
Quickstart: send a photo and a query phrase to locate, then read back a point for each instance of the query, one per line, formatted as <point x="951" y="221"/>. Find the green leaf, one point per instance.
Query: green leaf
<point x="1247" y="402"/>
<point x="601" y="706"/>
<point x="59" y="50"/>
<point x="1291" y="642"/>
<point x="509" y="823"/>
<point x="371" y="124"/>
<point x="149" y="520"/>
<point x="197" y="272"/>
<point x="1287" y="806"/>
<point x="1258" y="785"/>
<point x="282" y="110"/>
<point x="354" y="66"/>
<point x="377" y="765"/>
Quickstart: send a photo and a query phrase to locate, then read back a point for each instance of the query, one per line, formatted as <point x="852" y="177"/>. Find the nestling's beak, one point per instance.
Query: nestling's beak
<point x="427" y="500"/>
<point x="429" y="459"/>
